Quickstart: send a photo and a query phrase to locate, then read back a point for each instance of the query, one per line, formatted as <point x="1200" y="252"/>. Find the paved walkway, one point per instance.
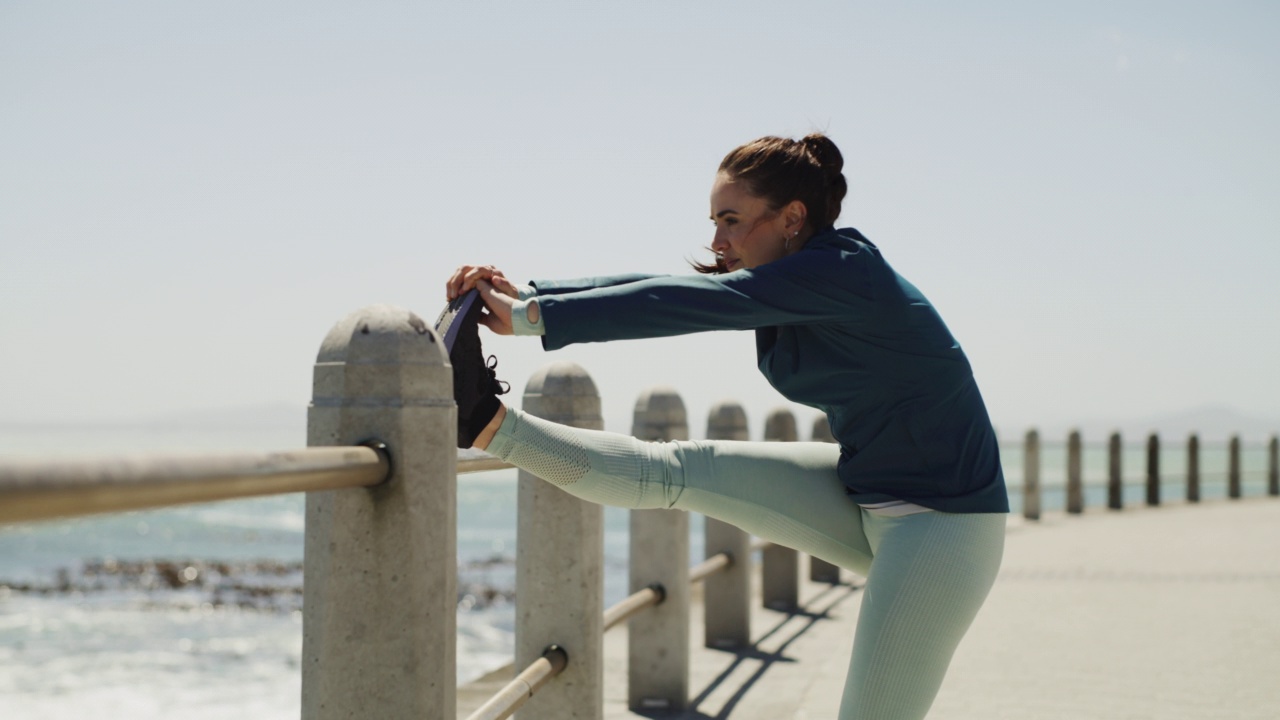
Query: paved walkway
<point x="1166" y="613"/>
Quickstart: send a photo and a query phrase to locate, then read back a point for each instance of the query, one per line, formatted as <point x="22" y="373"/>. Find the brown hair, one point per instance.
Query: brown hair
<point x="779" y="170"/>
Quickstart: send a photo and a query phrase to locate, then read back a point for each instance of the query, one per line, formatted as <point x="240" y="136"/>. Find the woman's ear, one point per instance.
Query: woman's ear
<point x="794" y="215"/>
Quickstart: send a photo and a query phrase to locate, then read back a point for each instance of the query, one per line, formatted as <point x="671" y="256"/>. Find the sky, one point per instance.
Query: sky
<point x="193" y="193"/>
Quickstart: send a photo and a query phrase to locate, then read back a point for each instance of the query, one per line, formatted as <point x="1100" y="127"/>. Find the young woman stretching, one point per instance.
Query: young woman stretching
<point x="912" y="497"/>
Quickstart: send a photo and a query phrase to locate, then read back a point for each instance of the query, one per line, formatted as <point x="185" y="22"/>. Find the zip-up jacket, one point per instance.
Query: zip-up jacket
<point x="837" y="329"/>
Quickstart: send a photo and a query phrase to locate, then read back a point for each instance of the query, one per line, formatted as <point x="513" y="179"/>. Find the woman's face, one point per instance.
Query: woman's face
<point x="748" y="232"/>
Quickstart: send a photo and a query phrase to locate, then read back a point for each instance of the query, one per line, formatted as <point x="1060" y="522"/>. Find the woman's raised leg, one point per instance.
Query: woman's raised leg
<point x="786" y="493"/>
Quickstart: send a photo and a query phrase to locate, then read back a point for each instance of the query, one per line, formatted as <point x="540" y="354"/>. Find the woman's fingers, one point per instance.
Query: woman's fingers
<point x="465" y="278"/>
<point x="504" y="286"/>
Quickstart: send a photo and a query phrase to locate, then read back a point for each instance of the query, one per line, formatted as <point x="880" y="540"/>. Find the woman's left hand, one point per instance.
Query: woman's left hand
<point x="499" y="304"/>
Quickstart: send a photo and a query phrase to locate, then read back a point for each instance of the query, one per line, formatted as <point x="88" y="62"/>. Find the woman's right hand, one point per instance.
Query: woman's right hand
<point x="465" y="278"/>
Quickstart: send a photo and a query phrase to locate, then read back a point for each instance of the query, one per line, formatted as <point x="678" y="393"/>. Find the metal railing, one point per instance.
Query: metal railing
<point x="506" y="701"/>
<point x="38" y="490"/>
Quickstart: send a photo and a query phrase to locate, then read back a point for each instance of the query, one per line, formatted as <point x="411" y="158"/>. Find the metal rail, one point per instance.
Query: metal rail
<point x="43" y="490"/>
<point x="710" y="566"/>
<point x="515" y="693"/>
<point x="509" y="699"/>
<point x="33" y="490"/>
<point x="633" y="605"/>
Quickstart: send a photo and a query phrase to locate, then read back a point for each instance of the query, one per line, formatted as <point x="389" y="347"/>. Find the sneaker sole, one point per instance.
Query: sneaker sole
<point x="448" y="325"/>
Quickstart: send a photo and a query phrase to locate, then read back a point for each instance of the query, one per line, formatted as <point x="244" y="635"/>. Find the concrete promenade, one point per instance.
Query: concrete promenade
<point x="1169" y="613"/>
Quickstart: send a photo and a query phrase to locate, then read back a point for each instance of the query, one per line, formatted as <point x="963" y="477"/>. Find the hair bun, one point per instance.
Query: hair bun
<point x="825" y="152"/>
<point x="831" y="162"/>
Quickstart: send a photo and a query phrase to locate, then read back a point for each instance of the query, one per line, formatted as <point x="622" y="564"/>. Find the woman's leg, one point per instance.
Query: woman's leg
<point x="931" y="573"/>
<point x="787" y="493"/>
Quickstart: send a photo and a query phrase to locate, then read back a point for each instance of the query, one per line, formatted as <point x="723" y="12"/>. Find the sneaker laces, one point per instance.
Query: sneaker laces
<point x="500" y="387"/>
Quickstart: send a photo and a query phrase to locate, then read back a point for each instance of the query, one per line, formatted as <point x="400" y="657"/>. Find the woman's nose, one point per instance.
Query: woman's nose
<point x="718" y="243"/>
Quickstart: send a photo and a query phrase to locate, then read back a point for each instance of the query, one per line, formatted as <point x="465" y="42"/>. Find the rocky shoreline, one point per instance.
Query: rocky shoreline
<point x="260" y="585"/>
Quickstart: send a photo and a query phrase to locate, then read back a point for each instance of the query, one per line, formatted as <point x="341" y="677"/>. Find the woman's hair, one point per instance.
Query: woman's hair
<point x="780" y="170"/>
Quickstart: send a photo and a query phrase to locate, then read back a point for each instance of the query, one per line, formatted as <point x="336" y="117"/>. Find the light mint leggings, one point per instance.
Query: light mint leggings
<point x="927" y="573"/>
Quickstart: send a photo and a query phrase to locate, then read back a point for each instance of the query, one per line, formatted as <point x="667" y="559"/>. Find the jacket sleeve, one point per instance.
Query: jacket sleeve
<point x="824" y="284"/>
<point x="560" y="287"/>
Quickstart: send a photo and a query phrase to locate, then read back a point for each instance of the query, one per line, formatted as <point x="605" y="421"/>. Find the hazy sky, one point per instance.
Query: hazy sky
<point x="193" y="193"/>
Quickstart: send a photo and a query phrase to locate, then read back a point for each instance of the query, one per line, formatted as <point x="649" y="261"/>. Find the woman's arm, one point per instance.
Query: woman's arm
<point x="831" y="283"/>
<point x="561" y="287"/>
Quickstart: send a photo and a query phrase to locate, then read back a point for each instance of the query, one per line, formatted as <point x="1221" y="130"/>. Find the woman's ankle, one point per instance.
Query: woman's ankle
<point x="486" y="436"/>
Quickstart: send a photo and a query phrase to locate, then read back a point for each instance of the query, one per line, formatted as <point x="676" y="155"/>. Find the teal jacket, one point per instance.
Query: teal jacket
<point x="838" y="330"/>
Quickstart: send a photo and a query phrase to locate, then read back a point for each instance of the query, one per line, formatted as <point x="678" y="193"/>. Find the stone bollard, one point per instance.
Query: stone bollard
<point x="1193" y="469"/>
<point x="821" y="570"/>
<point x="658" y="639"/>
<point x="1075" y="479"/>
<point x="726" y="595"/>
<point x="1233" y="468"/>
<point x="1273" y="466"/>
<point x="1031" y="476"/>
<point x="1115" y="477"/>
<point x="1153" y="470"/>
<point x="380" y="591"/>
<point x="560" y="561"/>
<point x="780" y="566"/>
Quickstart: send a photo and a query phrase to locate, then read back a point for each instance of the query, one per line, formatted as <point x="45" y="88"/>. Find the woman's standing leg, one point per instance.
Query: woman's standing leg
<point x="931" y="573"/>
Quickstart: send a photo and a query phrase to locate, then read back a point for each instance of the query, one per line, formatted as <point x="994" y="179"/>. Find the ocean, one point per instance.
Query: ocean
<point x="198" y="609"/>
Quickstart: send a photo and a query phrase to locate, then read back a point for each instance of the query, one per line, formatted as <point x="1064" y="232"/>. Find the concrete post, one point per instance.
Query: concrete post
<point x="822" y="430"/>
<point x="726" y="595"/>
<point x="780" y="566"/>
<point x="560" y="561"/>
<point x="380" y="597"/>
<point x="1273" y="466"/>
<point x="1031" y="476"/>
<point x="658" y="639"/>
<point x="821" y="570"/>
<point x="1233" y="469"/>
<point x="1075" y="479"/>
<point x="1115" y="477"/>
<point x="1193" y="469"/>
<point x="1153" y="470"/>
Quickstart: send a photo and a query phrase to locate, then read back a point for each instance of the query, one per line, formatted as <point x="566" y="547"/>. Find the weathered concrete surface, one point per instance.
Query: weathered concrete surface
<point x="1170" y="613"/>
<point x="658" y="666"/>
<point x="380" y="600"/>
<point x="560" y="567"/>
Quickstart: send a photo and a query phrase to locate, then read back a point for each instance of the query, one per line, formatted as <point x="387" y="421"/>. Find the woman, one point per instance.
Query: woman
<point x="912" y="497"/>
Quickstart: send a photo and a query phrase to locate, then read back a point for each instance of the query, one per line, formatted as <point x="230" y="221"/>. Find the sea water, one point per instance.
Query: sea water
<point x="198" y="609"/>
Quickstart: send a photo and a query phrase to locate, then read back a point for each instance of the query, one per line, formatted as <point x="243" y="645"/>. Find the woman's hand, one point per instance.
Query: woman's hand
<point x="499" y="305"/>
<point x="465" y="278"/>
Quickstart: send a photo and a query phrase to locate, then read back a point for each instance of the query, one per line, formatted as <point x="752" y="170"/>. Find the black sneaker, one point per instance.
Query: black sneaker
<point x="476" y="386"/>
